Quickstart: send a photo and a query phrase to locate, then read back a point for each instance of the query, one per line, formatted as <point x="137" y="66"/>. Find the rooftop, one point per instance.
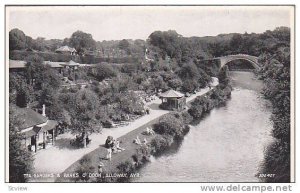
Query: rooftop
<point x="65" y="49"/>
<point x="70" y="63"/>
<point x="171" y="94"/>
<point x="29" y="117"/>
<point x="21" y="64"/>
<point x="13" y="64"/>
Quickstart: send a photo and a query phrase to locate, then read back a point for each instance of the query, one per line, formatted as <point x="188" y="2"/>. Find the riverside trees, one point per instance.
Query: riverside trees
<point x="276" y="75"/>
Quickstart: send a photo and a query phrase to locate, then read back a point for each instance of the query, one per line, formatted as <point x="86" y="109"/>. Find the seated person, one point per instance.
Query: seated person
<point x="137" y="140"/>
<point x="150" y="131"/>
<point x="145" y="141"/>
<point x="117" y="146"/>
<point x="114" y="147"/>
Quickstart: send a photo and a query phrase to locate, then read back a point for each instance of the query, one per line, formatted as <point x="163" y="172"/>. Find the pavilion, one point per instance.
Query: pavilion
<point x="173" y="100"/>
<point x="37" y="130"/>
<point x="69" y="69"/>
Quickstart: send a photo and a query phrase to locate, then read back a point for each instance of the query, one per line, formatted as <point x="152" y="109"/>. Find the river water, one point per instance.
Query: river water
<point x="226" y="146"/>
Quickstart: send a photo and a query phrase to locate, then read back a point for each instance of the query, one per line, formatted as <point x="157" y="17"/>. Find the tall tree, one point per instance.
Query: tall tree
<point x="82" y="42"/>
<point x="103" y="71"/>
<point x="124" y="44"/>
<point x="17" y="39"/>
<point x="40" y="75"/>
<point x="83" y="114"/>
<point x="169" y="43"/>
<point x="223" y="76"/>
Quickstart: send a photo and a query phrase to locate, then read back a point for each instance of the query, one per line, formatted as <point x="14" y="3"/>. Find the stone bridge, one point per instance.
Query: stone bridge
<point x="226" y="59"/>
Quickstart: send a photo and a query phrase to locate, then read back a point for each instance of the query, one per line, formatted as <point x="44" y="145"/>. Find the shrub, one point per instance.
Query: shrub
<point x="196" y="111"/>
<point x="103" y="71"/>
<point x="189" y="85"/>
<point x="277" y="160"/>
<point x="161" y="143"/>
<point x="142" y="155"/>
<point x="187" y="118"/>
<point x="170" y="125"/>
<point x="127" y="168"/>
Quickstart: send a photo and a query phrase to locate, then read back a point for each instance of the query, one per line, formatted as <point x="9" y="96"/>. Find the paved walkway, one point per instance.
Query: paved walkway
<point x="59" y="157"/>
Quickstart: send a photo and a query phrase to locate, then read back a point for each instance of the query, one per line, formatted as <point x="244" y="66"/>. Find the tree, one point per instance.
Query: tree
<point x="204" y="78"/>
<point x="129" y="68"/>
<point x="20" y="93"/>
<point x="66" y="41"/>
<point x="39" y="44"/>
<point x="103" y="71"/>
<point x="17" y="40"/>
<point x="157" y="83"/>
<point x="83" y="114"/>
<point x="276" y="76"/>
<point x="124" y="45"/>
<point x="24" y="95"/>
<point x="282" y="33"/>
<point x="223" y="76"/>
<point x="236" y="43"/>
<point x="130" y="103"/>
<point x="20" y="160"/>
<point x="189" y="71"/>
<point x="169" y="43"/>
<point x="170" y="124"/>
<point x="40" y="75"/>
<point x="34" y="68"/>
<point x="175" y="83"/>
<point x="82" y="42"/>
<point x="189" y="85"/>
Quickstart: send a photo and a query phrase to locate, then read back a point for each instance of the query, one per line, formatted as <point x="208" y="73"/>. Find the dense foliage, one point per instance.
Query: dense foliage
<point x="276" y="75"/>
<point x="20" y="160"/>
<point x="82" y="42"/>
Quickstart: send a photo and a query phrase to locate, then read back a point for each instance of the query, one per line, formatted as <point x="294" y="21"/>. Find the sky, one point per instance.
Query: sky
<point x="138" y="22"/>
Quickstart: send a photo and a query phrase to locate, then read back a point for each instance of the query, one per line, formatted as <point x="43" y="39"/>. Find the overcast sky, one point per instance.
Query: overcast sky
<point x="108" y="23"/>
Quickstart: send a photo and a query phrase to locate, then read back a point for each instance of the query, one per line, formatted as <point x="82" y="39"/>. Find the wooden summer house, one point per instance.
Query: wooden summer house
<point x="173" y="100"/>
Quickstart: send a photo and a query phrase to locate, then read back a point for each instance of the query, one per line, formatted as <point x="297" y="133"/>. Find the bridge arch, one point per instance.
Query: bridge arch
<point x="252" y="59"/>
<point x="254" y="64"/>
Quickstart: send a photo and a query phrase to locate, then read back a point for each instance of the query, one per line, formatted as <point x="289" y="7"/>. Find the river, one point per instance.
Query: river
<point x="226" y="146"/>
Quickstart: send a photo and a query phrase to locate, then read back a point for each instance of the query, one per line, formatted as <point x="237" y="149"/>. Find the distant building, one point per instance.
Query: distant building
<point x="66" y="50"/>
<point x="37" y="129"/>
<point x="173" y="100"/>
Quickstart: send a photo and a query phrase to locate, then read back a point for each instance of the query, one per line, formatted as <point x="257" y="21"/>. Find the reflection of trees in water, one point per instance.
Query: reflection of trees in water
<point x="240" y="65"/>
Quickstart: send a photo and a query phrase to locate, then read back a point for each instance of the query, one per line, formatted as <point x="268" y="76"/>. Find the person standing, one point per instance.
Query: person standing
<point x="108" y="146"/>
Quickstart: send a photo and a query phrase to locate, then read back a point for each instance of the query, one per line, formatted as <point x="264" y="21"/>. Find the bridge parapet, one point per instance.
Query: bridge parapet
<point x="225" y="59"/>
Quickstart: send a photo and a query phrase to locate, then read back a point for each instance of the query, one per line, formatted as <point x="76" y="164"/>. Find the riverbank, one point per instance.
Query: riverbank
<point x="128" y="162"/>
